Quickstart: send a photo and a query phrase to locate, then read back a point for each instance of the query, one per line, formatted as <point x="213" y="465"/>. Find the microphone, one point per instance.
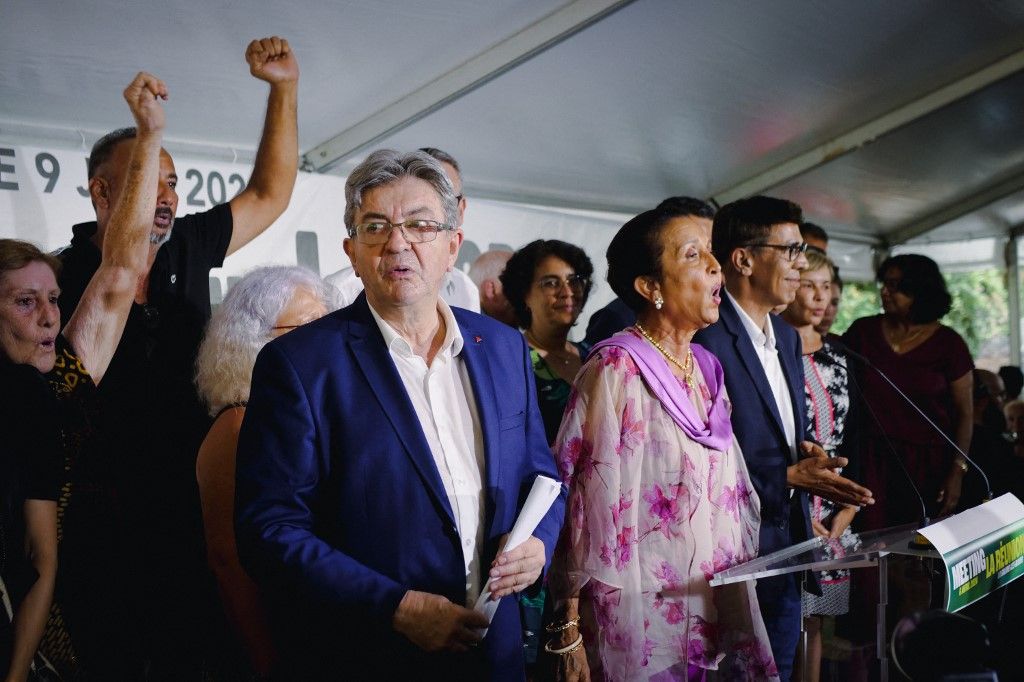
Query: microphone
<point x="854" y="354"/>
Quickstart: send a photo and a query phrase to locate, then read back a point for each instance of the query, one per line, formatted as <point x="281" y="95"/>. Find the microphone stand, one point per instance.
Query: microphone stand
<point x="906" y="399"/>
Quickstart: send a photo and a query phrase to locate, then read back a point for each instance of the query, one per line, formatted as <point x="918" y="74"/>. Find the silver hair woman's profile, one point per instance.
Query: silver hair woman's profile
<point x="243" y="324"/>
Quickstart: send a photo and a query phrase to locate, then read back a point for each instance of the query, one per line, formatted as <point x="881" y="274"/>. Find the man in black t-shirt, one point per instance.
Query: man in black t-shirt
<point x="152" y="420"/>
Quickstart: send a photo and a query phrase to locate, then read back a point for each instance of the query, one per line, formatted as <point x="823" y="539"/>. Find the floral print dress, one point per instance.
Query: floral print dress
<point x="652" y="515"/>
<point x="827" y="392"/>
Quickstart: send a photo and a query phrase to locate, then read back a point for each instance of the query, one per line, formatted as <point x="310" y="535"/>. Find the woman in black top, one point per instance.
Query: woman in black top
<point x="41" y="366"/>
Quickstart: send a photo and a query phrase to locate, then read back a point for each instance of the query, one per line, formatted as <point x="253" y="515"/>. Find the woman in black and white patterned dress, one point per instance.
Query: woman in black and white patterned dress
<point x="827" y="389"/>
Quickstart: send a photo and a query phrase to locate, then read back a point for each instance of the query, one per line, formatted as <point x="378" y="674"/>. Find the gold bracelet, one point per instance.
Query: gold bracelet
<point x="552" y="629"/>
<point x="962" y="463"/>
<point x="565" y="651"/>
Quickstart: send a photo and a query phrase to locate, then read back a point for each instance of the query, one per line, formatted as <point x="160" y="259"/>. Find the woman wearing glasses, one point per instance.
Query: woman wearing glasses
<point x="932" y="364"/>
<point x="547" y="283"/>
<point x="263" y="305"/>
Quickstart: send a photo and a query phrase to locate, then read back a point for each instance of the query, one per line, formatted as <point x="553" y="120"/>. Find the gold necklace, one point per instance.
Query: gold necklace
<point x="905" y="339"/>
<point x="686" y="367"/>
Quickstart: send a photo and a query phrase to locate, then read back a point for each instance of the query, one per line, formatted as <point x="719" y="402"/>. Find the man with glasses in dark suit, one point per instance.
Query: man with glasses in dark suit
<point x="758" y="243"/>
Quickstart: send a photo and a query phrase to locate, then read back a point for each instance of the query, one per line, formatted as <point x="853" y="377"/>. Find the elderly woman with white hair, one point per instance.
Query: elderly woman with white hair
<point x="263" y="305"/>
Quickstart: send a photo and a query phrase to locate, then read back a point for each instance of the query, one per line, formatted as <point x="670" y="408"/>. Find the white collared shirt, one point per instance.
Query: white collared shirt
<point x="764" y="345"/>
<point x="442" y="396"/>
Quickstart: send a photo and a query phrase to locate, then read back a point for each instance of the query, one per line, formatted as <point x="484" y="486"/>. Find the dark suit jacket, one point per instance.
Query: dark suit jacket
<point x="757" y="424"/>
<point x="608" y="321"/>
<point x="340" y="507"/>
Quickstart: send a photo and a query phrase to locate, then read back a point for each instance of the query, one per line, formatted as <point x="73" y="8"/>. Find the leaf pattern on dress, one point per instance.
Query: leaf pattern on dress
<point x="576" y="460"/>
<point x="631" y="433"/>
<point x="723" y="556"/>
<point x="647" y="649"/>
<point x="670" y="579"/>
<point x="621" y="551"/>
<point x="618" y="359"/>
<point x="674" y="612"/>
<point x="663" y="508"/>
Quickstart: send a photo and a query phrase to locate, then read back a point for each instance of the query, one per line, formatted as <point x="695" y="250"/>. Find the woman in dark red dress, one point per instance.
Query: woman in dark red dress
<point x="931" y="364"/>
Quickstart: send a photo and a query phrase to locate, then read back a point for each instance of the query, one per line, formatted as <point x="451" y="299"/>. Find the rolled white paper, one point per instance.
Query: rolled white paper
<point x="538" y="502"/>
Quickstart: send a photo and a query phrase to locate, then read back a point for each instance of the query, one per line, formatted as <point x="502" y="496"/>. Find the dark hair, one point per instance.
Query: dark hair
<point x="681" y="206"/>
<point x="749" y="221"/>
<point x="16" y="254"/>
<point x="635" y="251"/>
<point x="981" y="385"/>
<point x="813" y="231"/>
<point x="1013" y="380"/>
<point x="104" y="148"/>
<point x="442" y="156"/>
<point x="517" y="277"/>
<point x="921" y="280"/>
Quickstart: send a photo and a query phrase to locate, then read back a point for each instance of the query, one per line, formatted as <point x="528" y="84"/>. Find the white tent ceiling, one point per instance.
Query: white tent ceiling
<point x="888" y="121"/>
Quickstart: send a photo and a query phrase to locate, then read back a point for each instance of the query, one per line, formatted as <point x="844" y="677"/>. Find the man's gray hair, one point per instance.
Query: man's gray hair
<point x="488" y="265"/>
<point x="386" y="166"/>
<point x="242" y="325"/>
<point x="442" y="156"/>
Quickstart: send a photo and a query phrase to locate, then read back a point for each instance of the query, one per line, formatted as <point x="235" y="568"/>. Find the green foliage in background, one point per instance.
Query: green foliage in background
<point x="979" y="311"/>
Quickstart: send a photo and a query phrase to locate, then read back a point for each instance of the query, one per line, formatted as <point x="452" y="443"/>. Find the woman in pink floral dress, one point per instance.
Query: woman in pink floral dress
<point x="660" y="498"/>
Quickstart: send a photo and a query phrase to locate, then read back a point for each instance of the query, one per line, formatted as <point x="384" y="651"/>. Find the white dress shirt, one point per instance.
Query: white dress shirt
<point x="442" y="396"/>
<point x="764" y="345"/>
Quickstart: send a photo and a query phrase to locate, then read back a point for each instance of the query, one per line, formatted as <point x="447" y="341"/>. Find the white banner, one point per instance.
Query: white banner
<point x="43" y="193"/>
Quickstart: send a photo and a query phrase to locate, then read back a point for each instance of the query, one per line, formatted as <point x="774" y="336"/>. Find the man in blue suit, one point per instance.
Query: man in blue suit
<point x="387" y="451"/>
<point x="758" y="243"/>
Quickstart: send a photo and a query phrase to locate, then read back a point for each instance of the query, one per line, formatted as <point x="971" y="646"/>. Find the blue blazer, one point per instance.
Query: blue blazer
<point x="340" y="508"/>
<point x="757" y="423"/>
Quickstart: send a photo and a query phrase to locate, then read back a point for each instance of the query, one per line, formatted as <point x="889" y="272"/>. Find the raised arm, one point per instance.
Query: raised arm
<point x="277" y="159"/>
<point x="95" y="327"/>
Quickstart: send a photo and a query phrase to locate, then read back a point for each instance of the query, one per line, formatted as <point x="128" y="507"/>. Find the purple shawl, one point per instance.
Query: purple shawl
<point x="654" y="368"/>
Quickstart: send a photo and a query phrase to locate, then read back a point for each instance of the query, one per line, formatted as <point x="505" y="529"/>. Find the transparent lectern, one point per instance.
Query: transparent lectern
<point x="860" y="550"/>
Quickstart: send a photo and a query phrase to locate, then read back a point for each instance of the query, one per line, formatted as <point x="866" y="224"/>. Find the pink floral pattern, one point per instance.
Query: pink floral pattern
<point x="653" y="515"/>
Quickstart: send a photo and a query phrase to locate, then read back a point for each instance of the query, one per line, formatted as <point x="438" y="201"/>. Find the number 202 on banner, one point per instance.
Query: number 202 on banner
<point x="211" y="190"/>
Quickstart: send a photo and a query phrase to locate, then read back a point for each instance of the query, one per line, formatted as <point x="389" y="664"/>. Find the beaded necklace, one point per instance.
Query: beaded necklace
<point x="686" y="366"/>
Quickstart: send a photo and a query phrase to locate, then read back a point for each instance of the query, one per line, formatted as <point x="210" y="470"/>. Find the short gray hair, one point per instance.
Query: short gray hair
<point x="488" y="265"/>
<point x="242" y="325"/>
<point x="386" y="166"/>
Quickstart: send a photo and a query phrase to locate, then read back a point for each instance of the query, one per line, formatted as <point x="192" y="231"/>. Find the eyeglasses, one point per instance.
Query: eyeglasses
<point x="290" y="327"/>
<point x="793" y="251"/>
<point x="414" y="231"/>
<point x="577" y="283"/>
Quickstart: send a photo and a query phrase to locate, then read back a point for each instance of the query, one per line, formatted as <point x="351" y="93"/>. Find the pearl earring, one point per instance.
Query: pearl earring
<point x="658" y="301"/>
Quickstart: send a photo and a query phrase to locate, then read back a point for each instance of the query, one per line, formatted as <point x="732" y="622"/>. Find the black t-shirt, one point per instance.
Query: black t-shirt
<point x="154" y="360"/>
<point x="150" y="420"/>
<point x="31" y="464"/>
<point x="180" y="274"/>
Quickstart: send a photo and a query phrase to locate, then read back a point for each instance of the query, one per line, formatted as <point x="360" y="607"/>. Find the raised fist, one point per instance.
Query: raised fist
<point x="143" y="95"/>
<point x="272" y="60"/>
